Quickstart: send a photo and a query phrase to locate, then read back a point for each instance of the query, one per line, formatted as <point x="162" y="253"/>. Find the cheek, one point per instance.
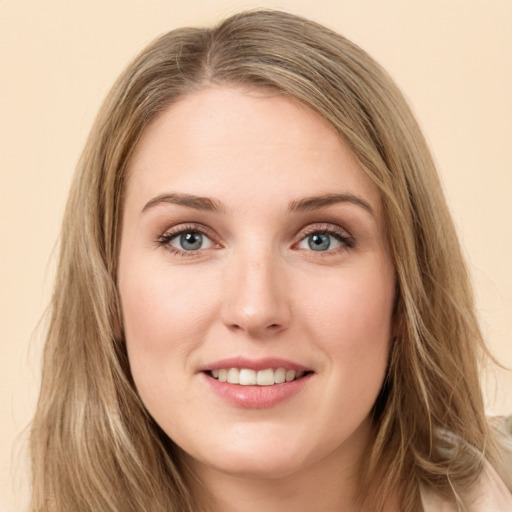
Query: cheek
<point x="356" y="306"/>
<point x="160" y="306"/>
<point x="165" y="320"/>
<point x="352" y="323"/>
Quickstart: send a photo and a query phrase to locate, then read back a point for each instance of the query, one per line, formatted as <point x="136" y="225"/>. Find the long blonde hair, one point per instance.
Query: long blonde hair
<point x="94" y="447"/>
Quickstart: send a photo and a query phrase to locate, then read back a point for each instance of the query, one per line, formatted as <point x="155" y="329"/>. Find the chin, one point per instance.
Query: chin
<point x="260" y="468"/>
<point x="266" y="460"/>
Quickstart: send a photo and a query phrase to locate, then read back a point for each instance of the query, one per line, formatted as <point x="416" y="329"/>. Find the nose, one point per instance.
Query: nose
<point x="257" y="300"/>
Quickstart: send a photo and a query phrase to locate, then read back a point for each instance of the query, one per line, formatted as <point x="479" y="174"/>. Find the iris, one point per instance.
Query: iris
<point x="319" y="242"/>
<point x="191" y="241"/>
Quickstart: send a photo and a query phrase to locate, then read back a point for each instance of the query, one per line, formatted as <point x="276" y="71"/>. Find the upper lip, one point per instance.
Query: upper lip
<point x="255" y="364"/>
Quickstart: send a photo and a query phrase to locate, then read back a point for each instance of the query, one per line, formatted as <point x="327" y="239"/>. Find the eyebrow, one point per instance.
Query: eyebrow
<point x="215" y="206"/>
<point x="187" y="200"/>
<point x="317" y="202"/>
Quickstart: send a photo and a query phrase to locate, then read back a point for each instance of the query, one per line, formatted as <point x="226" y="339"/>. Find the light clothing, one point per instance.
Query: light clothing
<point x="490" y="495"/>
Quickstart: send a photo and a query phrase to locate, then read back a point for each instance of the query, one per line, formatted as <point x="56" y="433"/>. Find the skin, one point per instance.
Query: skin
<point x="255" y="288"/>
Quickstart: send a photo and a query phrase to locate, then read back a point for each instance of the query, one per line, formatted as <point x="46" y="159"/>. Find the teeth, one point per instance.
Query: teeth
<point x="247" y="377"/>
<point x="265" y="377"/>
<point x="290" y="375"/>
<point x="233" y="376"/>
<point x="280" y="376"/>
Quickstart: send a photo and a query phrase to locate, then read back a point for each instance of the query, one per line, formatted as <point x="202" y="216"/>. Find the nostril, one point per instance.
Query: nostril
<point x="238" y="327"/>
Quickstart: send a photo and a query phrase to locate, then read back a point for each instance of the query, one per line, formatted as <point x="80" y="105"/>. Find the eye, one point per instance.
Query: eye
<point x="186" y="240"/>
<point x="190" y="241"/>
<point x="325" y="240"/>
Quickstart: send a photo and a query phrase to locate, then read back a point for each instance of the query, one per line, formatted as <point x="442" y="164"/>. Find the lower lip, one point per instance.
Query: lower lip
<point x="256" y="397"/>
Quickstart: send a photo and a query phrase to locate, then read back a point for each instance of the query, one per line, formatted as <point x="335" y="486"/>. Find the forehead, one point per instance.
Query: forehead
<point x="220" y="139"/>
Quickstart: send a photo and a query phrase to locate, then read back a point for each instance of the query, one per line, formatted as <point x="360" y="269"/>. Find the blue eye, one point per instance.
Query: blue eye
<point x="319" y="241"/>
<point x="322" y="241"/>
<point x="189" y="240"/>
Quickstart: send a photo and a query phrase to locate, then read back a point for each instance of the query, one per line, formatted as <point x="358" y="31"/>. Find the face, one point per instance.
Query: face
<point x="256" y="284"/>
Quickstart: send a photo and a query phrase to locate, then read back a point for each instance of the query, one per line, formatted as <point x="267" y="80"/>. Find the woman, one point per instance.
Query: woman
<point x="260" y="300"/>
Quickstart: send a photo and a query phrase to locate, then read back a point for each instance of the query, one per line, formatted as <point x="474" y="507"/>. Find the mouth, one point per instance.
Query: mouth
<point x="259" y="383"/>
<point x="250" y="377"/>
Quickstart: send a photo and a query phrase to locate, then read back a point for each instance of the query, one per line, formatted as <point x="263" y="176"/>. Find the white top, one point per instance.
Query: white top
<point x="490" y="495"/>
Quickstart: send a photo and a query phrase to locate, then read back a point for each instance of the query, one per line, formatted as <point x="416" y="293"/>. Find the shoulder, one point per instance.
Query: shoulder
<point x="493" y="491"/>
<point x="489" y="495"/>
<point x="502" y="427"/>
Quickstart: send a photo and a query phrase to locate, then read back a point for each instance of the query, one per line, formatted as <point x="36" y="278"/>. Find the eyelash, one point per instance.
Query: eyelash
<point x="168" y="236"/>
<point x="336" y="232"/>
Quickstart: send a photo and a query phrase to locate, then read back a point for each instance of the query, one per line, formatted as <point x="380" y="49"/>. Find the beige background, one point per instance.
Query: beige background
<point x="452" y="58"/>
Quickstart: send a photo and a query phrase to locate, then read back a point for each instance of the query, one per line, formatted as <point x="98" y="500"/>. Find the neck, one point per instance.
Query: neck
<point x="314" y="489"/>
<point x="330" y="484"/>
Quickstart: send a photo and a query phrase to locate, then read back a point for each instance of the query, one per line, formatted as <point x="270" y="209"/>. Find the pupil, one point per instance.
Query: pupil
<point x="191" y="241"/>
<point x="319" y="242"/>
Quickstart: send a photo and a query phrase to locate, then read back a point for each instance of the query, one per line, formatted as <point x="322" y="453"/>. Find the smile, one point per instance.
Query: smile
<point x="259" y="383"/>
<point x="249" y="377"/>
